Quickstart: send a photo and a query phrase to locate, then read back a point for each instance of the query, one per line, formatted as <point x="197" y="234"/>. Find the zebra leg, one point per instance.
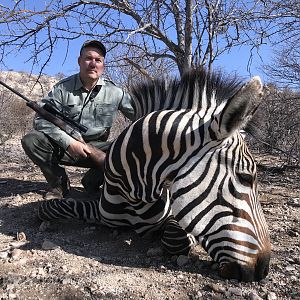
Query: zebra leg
<point x="176" y="240"/>
<point x="69" y="209"/>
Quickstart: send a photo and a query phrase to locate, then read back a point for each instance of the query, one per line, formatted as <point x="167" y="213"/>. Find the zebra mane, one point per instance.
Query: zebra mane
<point x="188" y="92"/>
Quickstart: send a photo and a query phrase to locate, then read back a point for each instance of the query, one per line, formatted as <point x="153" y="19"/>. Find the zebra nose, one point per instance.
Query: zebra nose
<point x="246" y="273"/>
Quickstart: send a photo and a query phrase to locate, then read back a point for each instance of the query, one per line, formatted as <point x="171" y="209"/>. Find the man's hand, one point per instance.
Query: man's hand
<point x="78" y="149"/>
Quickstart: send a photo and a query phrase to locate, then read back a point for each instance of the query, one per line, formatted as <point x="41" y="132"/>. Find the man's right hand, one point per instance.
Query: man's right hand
<point x="78" y="149"/>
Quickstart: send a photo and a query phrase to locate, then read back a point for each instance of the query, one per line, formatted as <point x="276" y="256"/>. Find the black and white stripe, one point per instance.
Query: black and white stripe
<point x="187" y="134"/>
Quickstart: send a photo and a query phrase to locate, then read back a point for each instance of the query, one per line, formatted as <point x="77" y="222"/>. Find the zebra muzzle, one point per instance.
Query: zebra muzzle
<point x="246" y="273"/>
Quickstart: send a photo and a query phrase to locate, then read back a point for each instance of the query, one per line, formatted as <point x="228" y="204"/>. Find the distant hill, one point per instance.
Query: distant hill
<point x="29" y="85"/>
<point x="15" y="116"/>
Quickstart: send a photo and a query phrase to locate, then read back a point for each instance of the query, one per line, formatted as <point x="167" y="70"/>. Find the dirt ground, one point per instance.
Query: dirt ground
<point x="89" y="261"/>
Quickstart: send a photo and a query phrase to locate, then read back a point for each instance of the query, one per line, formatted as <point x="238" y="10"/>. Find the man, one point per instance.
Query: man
<point x="88" y="99"/>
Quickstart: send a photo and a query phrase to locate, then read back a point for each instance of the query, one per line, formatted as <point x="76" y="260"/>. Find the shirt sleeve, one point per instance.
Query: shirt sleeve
<point x="127" y="106"/>
<point x="54" y="98"/>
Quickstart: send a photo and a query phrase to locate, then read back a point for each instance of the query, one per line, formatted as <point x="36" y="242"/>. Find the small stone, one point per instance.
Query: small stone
<point x="254" y="296"/>
<point x="41" y="272"/>
<point x="154" y="252"/>
<point x="290" y="268"/>
<point x="66" y="281"/>
<point x="128" y="242"/>
<point x="162" y="268"/>
<point x="271" y="296"/>
<point x="4" y="255"/>
<point x="47" y="245"/>
<point x="18" y="198"/>
<point x="293" y="278"/>
<point x="16" y="253"/>
<point x="216" y="288"/>
<point x="64" y="268"/>
<point x="22" y="261"/>
<point x="235" y="291"/>
<point x="44" y="226"/>
<point x="182" y="260"/>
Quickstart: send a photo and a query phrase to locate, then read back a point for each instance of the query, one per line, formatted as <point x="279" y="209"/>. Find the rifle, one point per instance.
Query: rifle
<point x="54" y="116"/>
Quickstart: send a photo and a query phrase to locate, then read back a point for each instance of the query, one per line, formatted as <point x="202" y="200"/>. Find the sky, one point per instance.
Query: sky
<point x="234" y="62"/>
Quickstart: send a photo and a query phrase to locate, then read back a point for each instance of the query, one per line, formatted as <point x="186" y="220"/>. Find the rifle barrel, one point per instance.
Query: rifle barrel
<point x="15" y="91"/>
<point x="47" y="107"/>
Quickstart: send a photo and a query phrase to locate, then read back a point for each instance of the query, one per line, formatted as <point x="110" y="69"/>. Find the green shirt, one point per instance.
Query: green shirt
<point x="96" y="110"/>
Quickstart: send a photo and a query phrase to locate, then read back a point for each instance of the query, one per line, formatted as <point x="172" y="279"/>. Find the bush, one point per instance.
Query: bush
<point x="279" y="116"/>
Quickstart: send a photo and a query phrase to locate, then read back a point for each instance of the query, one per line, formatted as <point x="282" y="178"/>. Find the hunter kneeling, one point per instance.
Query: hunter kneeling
<point x="90" y="100"/>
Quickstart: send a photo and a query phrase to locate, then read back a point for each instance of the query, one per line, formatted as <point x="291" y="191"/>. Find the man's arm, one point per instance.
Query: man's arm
<point x="54" y="98"/>
<point x="127" y="107"/>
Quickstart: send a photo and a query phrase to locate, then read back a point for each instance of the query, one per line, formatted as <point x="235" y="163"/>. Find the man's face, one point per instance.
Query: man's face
<point x="91" y="63"/>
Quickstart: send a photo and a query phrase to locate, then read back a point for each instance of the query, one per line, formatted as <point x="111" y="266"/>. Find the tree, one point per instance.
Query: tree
<point x="285" y="66"/>
<point x="175" y="34"/>
<point x="285" y="69"/>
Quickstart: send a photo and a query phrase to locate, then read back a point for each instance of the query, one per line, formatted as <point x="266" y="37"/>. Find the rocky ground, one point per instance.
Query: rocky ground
<point x="88" y="261"/>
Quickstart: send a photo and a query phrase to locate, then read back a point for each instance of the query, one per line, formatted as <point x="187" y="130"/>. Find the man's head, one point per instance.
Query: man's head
<point x="94" y="44"/>
<point x="91" y="61"/>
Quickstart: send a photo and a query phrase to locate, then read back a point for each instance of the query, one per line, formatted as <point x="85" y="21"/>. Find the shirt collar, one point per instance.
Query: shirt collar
<point x="79" y="85"/>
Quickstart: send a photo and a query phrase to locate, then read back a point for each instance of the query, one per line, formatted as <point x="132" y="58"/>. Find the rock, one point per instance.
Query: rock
<point x="48" y="245"/>
<point x="128" y="242"/>
<point x="182" y="260"/>
<point x="44" y="226"/>
<point x="3" y="255"/>
<point x="66" y="281"/>
<point x="271" y="296"/>
<point x="254" y="296"/>
<point x="154" y="252"/>
<point x="216" y="288"/>
<point x="290" y="268"/>
<point x="41" y="272"/>
<point x="16" y="253"/>
<point x="235" y="291"/>
<point x="18" y="198"/>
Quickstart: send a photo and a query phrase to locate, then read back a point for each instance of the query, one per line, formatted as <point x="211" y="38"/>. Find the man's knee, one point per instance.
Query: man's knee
<point x="31" y="139"/>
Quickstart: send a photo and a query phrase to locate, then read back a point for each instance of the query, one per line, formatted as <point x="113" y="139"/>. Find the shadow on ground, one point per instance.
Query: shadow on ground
<point x="118" y="247"/>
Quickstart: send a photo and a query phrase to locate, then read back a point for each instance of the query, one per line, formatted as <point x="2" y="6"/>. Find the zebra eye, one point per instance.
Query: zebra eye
<point x="245" y="178"/>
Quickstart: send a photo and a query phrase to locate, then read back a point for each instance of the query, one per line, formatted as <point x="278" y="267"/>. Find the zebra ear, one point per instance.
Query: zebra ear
<point x="240" y="108"/>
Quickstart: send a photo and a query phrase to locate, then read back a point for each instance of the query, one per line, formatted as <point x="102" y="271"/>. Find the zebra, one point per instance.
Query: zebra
<point x="187" y="135"/>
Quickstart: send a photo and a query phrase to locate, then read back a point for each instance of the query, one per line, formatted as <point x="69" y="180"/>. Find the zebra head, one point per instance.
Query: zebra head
<point x="215" y="194"/>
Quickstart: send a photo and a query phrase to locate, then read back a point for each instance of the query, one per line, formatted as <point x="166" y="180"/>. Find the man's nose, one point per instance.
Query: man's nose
<point x="92" y="63"/>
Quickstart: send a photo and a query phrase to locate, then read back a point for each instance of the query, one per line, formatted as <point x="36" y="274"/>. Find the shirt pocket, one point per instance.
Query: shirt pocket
<point x="104" y="115"/>
<point x="72" y="111"/>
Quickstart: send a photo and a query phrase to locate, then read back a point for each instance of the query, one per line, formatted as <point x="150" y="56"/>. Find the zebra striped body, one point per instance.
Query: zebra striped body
<point x="187" y="135"/>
